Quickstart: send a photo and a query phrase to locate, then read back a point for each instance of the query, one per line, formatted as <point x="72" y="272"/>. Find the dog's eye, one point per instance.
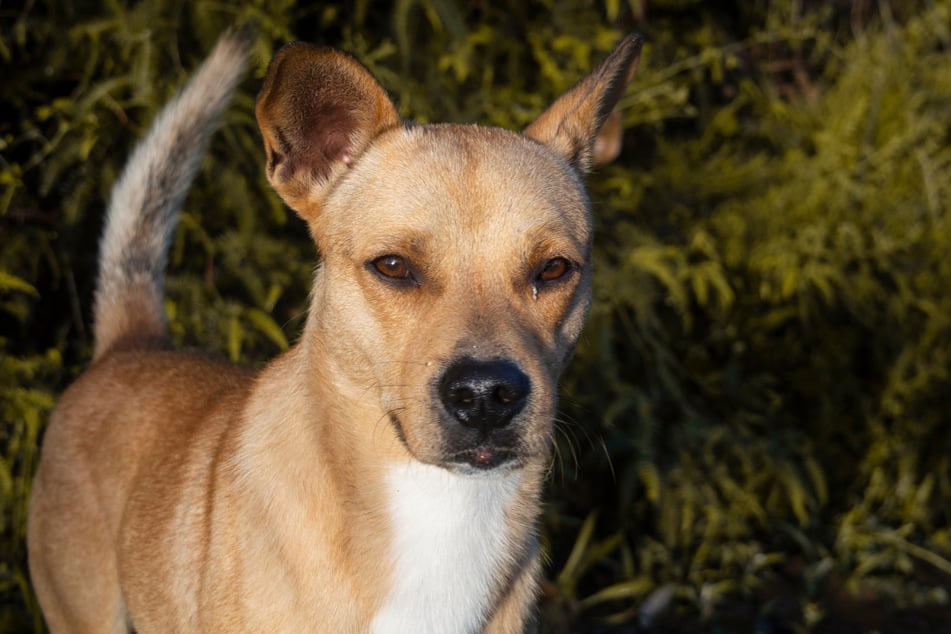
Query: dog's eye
<point x="554" y="270"/>
<point x="393" y="267"/>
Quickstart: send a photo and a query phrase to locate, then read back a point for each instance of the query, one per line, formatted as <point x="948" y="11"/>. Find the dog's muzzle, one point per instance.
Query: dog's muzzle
<point x="484" y="397"/>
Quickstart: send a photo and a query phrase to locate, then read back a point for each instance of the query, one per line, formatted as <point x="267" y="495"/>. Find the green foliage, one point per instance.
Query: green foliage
<point x="26" y="398"/>
<point x="771" y="339"/>
<point x="760" y="398"/>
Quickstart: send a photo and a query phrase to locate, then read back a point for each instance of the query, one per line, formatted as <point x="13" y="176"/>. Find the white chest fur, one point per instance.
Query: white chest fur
<point x="448" y="540"/>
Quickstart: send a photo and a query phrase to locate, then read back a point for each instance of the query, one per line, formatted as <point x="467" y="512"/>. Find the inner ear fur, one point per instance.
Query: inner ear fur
<point x="571" y="125"/>
<point x="318" y="110"/>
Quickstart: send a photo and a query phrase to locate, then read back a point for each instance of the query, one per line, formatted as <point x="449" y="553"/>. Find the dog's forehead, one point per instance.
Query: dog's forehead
<point x="464" y="174"/>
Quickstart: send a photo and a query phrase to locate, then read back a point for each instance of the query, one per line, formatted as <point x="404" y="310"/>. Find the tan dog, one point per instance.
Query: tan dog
<point x="382" y="475"/>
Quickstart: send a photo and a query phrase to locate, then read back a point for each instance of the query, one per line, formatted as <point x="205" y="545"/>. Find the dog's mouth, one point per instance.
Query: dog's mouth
<point x="475" y="454"/>
<point x="484" y="458"/>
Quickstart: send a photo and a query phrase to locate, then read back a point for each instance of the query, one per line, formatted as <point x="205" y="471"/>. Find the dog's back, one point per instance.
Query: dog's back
<point x="103" y="434"/>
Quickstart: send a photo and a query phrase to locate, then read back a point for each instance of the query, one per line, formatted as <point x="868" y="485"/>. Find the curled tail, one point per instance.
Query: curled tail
<point x="146" y="199"/>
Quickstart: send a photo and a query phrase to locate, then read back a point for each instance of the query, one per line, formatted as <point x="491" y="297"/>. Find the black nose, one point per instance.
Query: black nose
<point x="484" y="395"/>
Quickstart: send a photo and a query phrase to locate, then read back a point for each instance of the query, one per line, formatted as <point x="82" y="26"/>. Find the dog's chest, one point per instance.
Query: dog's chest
<point x="450" y="537"/>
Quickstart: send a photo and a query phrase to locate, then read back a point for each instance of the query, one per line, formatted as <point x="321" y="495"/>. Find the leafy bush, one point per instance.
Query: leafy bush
<point x="755" y="416"/>
<point x="770" y="348"/>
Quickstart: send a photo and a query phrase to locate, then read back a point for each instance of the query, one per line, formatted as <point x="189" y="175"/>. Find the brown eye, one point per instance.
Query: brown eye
<point x="554" y="270"/>
<point x="393" y="267"/>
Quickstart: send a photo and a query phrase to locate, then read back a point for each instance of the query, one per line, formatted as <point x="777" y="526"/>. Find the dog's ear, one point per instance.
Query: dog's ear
<point x="571" y="125"/>
<point x="610" y="139"/>
<point x="318" y="110"/>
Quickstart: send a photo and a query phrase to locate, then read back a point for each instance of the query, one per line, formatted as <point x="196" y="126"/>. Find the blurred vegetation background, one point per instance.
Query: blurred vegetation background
<point x="754" y="433"/>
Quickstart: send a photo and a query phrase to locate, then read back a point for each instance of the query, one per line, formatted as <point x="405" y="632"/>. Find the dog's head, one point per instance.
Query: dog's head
<point x="456" y="271"/>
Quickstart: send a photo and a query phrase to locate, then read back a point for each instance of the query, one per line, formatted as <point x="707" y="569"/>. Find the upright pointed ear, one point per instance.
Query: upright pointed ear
<point x="318" y="111"/>
<point x="570" y="126"/>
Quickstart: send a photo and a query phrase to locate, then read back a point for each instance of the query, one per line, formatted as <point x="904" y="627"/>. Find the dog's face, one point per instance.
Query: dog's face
<point x="456" y="270"/>
<point x="456" y="277"/>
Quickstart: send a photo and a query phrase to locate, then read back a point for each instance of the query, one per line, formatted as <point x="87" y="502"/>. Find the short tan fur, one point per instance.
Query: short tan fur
<point x="385" y="473"/>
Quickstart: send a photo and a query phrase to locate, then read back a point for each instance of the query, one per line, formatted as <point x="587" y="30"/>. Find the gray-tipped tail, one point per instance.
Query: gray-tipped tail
<point x="146" y="200"/>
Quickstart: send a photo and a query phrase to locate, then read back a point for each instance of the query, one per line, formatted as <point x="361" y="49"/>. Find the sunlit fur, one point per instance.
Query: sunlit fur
<point x="332" y="490"/>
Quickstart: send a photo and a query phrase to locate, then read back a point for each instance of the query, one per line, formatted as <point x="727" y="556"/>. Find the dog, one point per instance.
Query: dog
<point x="385" y="473"/>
